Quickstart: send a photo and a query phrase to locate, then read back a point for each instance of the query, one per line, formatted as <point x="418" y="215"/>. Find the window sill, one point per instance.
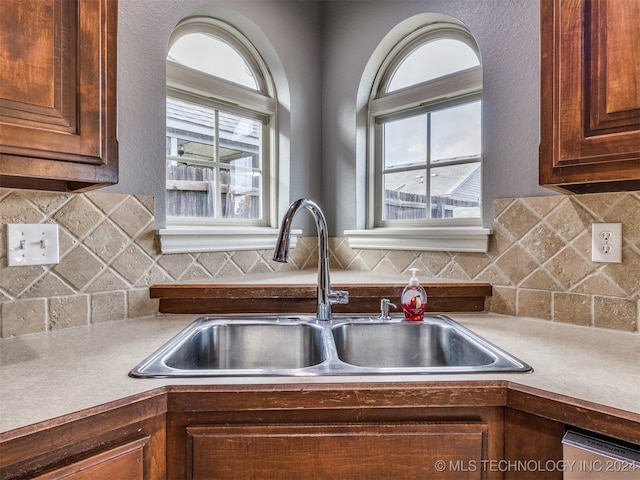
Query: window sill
<point x="217" y="239"/>
<point x="449" y="239"/>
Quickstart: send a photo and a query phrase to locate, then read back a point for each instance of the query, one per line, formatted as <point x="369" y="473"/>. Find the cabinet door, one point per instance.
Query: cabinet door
<point x="57" y="94"/>
<point x="340" y="451"/>
<point x="125" y="462"/>
<point x="590" y="95"/>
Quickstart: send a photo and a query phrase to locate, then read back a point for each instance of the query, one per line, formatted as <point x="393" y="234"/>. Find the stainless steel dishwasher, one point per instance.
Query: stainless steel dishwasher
<point x="588" y="457"/>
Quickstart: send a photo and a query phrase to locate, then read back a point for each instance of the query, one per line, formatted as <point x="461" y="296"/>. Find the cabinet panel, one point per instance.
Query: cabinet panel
<point x="38" y="78"/>
<point x="590" y="95"/>
<point x="125" y="461"/>
<point x="337" y="451"/>
<point x="530" y="438"/>
<point x="125" y="442"/>
<point x="57" y="94"/>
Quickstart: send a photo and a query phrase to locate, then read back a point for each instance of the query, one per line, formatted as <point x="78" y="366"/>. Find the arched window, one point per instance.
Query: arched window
<point x="220" y="138"/>
<point x="425" y="132"/>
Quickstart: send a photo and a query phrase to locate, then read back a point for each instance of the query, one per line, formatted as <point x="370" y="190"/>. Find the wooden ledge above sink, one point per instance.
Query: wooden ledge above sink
<point x="290" y="292"/>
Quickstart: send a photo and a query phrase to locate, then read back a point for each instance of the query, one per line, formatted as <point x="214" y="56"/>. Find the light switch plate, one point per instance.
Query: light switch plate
<point x="32" y="244"/>
<point x="606" y="242"/>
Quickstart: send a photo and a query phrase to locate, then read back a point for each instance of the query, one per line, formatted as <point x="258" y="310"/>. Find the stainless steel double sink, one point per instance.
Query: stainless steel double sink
<point x="304" y="346"/>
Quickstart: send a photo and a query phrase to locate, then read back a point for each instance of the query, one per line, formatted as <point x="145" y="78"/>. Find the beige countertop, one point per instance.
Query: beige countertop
<point x="48" y="375"/>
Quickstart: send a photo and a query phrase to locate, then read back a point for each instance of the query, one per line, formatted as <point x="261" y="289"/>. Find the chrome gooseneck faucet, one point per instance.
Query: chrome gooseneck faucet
<point x="326" y="296"/>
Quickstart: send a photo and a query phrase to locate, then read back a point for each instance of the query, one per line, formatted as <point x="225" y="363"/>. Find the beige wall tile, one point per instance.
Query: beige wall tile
<point x="472" y="263"/>
<point x="534" y="303"/>
<point x="70" y="311"/>
<point x="618" y="313"/>
<point x="79" y="267"/>
<point x="131" y="216"/>
<point x="568" y="267"/>
<point x="132" y="264"/>
<point x="516" y="264"/>
<point x="540" y="280"/>
<point x="572" y="308"/>
<point x="401" y="260"/>
<point x="107" y="202"/>
<point x="15" y="208"/>
<point x="106" y="241"/>
<point x="15" y="280"/>
<point x="503" y="300"/>
<point x="517" y="219"/>
<point x="78" y="215"/>
<point x="139" y="303"/>
<point x="539" y="260"/>
<point x="385" y="266"/>
<point x="47" y="286"/>
<point x="108" y="306"/>
<point x="568" y="220"/>
<point x="543" y="205"/>
<point x="541" y="243"/>
<point x="434" y="262"/>
<point x="24" y="316"/>
<point x="245" y="259"/>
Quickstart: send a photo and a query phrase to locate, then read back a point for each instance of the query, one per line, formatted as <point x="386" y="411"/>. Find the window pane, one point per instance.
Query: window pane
<point x="240" y="194"/>
<point x="455" y="132"/>
<point x="455" y="191"/>
<point x="405" y="142"/>
<point x="239" y="141"/>
<point x="432" y="60"/>
<point x="190" y="130"/>
<point x="214" y="56"/>
<point x="404" y="195"/>
<point x="189" y="190"/>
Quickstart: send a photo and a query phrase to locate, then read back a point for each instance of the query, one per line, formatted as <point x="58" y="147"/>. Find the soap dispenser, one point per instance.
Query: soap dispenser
<point x="414" y="299"/>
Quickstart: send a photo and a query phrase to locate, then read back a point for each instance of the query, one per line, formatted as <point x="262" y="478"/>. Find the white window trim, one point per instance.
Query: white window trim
<point x="210" y="239"/>
<point x="453" y="239"/>
<point x="458" y="235"/>
<point x="183" y="82"/>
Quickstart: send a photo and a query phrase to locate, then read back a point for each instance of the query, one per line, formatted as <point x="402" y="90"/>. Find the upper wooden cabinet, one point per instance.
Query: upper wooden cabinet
<point x="590" y="95"/>
<point x="58" y="94"/>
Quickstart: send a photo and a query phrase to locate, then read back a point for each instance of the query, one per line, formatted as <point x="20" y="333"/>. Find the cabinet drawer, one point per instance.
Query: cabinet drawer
<point x="369" y="450"/>
<point x="124" y="461"/>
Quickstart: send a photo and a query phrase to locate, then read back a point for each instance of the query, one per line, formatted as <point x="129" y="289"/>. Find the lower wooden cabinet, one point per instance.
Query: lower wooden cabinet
<point x="125" y="442"/>
<point x="429" y="430"/>
<point x="124" y="461"/>
<point x="533" y="444"/>
<point x="340" y="451"/>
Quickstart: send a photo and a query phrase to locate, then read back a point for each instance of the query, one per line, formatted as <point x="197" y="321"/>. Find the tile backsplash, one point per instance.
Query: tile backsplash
<point x="539" y="261"/>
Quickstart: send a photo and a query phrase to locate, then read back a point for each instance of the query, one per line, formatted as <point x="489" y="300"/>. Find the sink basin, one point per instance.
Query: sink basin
<point x="411" y="345"/>
<point x="210" y="347"/>
<point x="248" y="345"/>
<point x="305" y="346"/>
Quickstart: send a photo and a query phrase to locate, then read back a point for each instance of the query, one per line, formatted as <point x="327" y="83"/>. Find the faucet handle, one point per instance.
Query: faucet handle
<point x="385" y="303"/>
<point x="340" y="297"/>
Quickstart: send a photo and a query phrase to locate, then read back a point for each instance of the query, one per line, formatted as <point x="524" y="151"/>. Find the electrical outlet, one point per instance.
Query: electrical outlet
<point x="606" y="242"/>
<point x="32" y="244"/>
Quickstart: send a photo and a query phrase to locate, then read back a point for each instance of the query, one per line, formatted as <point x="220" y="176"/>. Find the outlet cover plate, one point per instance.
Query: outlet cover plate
<point x="32" y="244"/>
<point x="606" y="242"/>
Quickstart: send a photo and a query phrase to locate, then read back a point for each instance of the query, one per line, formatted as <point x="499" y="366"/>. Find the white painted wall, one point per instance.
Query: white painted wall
<point x="323" y="55"/>
<point x="287" y="34"/>
<point x="357" y="31"/>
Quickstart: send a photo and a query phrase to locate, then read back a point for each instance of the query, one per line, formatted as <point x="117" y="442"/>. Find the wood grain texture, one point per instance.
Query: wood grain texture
<point x="590" y="115"/>
<point x="285" y="298"/>
<point x="86" y="439"/>
<point x="335" y="450"/>
<point x="412" y="420"/>
<point x="58" y="94"/>
<point x="569" y="411"/>
<point x="532" y="438"/>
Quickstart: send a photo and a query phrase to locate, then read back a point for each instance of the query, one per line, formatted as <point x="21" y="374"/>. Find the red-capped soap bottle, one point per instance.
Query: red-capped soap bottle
<point x="414" y="299"/>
